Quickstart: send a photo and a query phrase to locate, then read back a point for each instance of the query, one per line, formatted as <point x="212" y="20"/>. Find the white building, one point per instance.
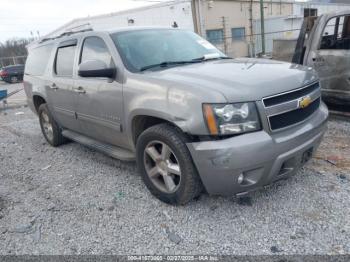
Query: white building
<point x="162" y="14"/>
<point x="288" y="27"/>
<point x="232" y="25"/>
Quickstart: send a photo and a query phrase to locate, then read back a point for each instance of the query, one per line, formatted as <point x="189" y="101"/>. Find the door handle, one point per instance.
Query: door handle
<point x="318" y="59"/>
<point x="54" y="86"/>
<point x="80" y="90"/>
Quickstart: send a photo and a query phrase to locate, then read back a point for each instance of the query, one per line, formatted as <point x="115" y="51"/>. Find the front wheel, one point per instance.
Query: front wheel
<point x="166" y="165"/>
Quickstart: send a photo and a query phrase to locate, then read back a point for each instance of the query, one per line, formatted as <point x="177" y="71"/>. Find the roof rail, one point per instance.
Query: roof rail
<point x="67" y="33"/>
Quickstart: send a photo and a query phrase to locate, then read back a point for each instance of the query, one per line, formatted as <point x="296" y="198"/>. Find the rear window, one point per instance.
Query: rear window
<point x="65" y="60"/>
<point x="37" y="60"/>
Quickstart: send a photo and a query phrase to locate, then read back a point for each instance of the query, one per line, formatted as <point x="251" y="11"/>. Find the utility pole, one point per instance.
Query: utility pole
<point x="224" y="33"/>
<point x="262" y="22"/>
<point x="251" y="38"/>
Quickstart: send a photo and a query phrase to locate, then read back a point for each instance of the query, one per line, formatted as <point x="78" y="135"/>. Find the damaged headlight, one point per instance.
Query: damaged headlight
<point x="229" y="119"/>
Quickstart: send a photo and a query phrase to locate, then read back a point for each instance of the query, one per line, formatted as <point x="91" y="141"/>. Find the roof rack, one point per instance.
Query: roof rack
<point x="67" y="33"/>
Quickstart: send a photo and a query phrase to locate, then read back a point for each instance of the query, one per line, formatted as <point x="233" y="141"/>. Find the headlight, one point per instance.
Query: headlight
<point x="229" y="119"/>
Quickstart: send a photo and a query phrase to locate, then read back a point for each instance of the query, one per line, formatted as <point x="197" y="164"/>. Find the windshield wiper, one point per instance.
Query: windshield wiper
<point x="195" y="60"/>
<point x="168" y="63"/>
<point x="211" y="57"/>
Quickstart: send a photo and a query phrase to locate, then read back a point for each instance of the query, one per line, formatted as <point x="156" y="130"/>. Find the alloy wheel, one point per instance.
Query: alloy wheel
<point x="162" y="166"/>
<point x="47" y="126"/>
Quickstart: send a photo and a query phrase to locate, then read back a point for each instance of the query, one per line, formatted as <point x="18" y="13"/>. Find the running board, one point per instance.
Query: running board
<point x="113" y="151"/>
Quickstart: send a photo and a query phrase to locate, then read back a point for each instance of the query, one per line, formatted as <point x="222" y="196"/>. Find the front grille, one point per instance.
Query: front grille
<point x="286" y="109"/>
<point x="290" y="96"/>
<point x="293" y="117"/>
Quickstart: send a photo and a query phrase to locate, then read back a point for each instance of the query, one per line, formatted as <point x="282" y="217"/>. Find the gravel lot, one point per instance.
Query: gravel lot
<point x="73" y="200"/>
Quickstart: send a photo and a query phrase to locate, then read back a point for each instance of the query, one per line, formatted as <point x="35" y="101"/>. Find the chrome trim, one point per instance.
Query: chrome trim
<point x="290" y="105"/>
<point x="292" y="125"/>
<point x="60" y="110"/>
<point x="99" y="121"/>
<point x="291" y="91"/>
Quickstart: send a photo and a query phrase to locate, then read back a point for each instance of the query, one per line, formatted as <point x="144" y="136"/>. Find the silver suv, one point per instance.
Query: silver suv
<point x="193" y="118"/>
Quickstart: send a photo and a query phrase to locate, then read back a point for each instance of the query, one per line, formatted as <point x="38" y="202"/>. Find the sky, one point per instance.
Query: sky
<point x="20" y="17"/>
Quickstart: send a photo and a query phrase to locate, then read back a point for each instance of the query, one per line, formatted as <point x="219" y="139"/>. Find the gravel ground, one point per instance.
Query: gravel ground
<point x="73" y="200"/>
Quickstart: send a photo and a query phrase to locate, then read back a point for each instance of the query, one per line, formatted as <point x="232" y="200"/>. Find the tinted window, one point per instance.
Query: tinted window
<point x="65" y="60"/>
<point x="215" y="36"/>
<point x="94" y="48"/>
<point x="37" y="60"/>
<point x="238" y="33"/>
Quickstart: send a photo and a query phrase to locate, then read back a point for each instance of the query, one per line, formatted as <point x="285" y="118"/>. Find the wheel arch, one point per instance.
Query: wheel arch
<point x="38" y="100"/>
<point x="141" y="122"/>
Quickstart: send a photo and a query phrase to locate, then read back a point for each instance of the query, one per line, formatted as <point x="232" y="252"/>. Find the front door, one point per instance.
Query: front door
<point x="99" y="105"/>
<point x="331" y="58"/>
<point x="59" y="88"/>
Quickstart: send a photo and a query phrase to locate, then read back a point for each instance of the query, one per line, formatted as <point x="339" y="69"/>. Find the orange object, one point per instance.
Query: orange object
<point x="210" y="118"/>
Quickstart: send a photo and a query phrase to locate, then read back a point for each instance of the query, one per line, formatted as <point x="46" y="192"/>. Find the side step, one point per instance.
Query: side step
<point x="113" y="151"/>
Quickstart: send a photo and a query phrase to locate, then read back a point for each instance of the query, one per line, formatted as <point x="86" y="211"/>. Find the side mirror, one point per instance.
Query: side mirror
<point x="95" y="68"/>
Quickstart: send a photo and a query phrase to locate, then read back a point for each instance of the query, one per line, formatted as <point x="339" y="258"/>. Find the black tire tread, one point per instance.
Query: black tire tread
<point x="58" y="138"/>
<point x="193" y="185"/>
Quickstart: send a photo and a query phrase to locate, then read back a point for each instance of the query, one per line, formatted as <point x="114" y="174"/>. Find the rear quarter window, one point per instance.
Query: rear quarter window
<point x="37" y="60"/>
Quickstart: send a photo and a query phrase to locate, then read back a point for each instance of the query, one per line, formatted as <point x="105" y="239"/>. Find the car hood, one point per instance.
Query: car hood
<point x="243" y="79"/>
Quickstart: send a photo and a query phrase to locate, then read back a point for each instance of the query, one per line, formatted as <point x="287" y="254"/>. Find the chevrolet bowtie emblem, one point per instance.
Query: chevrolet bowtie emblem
<point x="305" y="102"/>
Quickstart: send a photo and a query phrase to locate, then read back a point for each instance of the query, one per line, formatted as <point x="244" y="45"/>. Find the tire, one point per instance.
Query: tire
<point x="54" y="135"/>
<point x="187" y="185"/>
<point x="13" y="79"/>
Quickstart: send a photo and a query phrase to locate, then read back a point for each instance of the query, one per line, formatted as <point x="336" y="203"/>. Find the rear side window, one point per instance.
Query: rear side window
<point x="65" y="60"/>
<point x="94" y="48"/>
<point x="37" y="60"/>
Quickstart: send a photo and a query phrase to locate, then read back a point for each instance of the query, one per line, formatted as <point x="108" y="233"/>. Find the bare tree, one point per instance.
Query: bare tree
<point x="13" y="48"/>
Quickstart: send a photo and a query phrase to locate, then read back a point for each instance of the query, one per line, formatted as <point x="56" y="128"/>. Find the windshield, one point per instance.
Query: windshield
<point x="141" y="49"/>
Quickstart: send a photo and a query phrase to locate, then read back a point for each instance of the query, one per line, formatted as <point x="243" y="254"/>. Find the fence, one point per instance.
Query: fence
<point x="12" y="60"/>
<point x="246" y="40"/>
<point x="249" y="45"/>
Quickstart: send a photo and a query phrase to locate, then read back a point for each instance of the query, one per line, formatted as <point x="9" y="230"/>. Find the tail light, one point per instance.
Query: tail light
<point x="3" y="73"/>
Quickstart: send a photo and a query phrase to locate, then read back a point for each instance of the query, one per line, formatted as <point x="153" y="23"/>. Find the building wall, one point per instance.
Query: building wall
<point x="225" y="15"/>
<point x="298" y="8"/>
<point x="164" y="14"/>
<point x="277" y="28"/>
<point x="288" y="27"/>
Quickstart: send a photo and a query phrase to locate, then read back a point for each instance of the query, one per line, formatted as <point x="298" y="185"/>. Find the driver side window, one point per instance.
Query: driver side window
<point x="94" y="48"/>
<point x="336" y="34"/>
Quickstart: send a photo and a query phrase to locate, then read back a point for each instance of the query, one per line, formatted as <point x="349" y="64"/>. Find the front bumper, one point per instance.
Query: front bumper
<point x="261" y="157"/>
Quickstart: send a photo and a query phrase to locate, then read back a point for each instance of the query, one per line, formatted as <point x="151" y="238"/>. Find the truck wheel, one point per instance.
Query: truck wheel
<point x="166" y="165"/>
<point x="50" y="129"/>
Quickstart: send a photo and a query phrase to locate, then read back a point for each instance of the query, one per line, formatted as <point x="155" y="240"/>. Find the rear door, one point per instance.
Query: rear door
<point x="60" y="85"/>
<point x="330" y="56"/>
<point x="99" y="100"/>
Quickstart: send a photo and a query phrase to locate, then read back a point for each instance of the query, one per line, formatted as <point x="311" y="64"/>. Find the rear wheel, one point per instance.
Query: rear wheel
<point x="49" y="127"/>
<point x="166" y="165"/>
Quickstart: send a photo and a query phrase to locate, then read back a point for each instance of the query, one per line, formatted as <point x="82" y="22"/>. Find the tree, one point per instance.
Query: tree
<point x="13" y="48"/>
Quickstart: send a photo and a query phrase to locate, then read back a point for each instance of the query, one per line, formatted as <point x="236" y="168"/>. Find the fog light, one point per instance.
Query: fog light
<point x="240" y="178"/>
